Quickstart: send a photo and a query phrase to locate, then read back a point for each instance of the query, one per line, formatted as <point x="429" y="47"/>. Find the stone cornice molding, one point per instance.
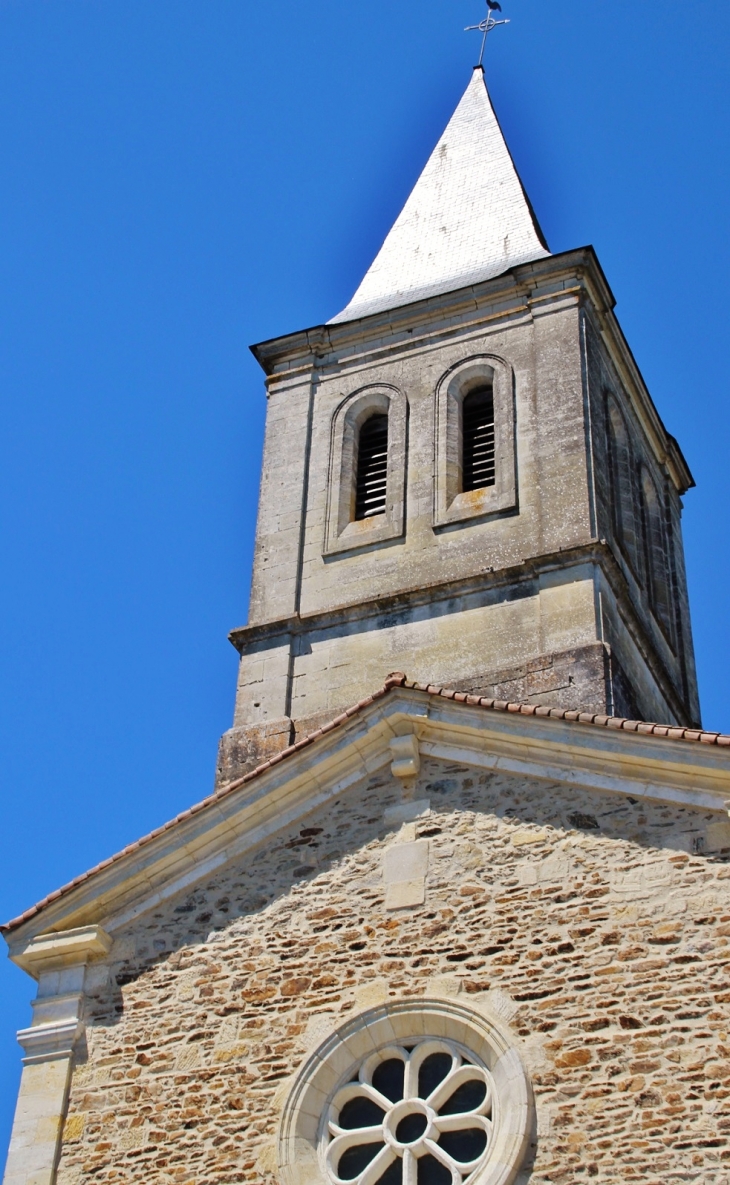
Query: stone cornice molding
<point x="45" y="1043"/>
<point x="537" y="743"/>
<point x="69" y="948"/>
<point x="527" y="291"/>
<point x="598" y="552"/>
<point x="423" y="594"/>
<point x="58" y="961"/>
<point x="513" y="292"/>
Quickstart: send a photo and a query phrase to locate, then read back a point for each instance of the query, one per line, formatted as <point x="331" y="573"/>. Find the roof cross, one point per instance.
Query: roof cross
<point x="490" y="22"/>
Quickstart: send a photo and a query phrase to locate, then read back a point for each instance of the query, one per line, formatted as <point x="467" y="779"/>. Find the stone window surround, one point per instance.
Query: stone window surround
<point x="658" y="578"/>
<point x="302" y="1143"/>
<point x="638" y="555"/>
<point x="342" y="533"/>
<point x="451" y="504"/>
<point x="624" y="503"/>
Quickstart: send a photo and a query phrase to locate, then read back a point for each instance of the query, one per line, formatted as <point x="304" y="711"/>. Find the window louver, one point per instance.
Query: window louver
<point x="478" y="462"/>
<point x="372" y="468"/>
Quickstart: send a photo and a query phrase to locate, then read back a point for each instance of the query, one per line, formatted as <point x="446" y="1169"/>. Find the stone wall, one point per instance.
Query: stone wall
<point x="485" y="593"/>
<point x="443" y="640"/>
<point x="603" y="381"/>
<point x="598" y="928"/>
<point x="542" y="354"/>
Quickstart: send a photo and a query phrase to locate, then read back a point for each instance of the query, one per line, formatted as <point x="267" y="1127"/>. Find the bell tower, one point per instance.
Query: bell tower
<point x="464" y="478"/>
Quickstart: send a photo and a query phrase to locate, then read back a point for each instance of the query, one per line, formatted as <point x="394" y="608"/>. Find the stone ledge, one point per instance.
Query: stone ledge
<point x="44" y="1043"/>
<point x="67" y="948"/>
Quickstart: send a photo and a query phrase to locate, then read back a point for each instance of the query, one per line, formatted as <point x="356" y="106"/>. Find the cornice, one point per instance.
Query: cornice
<point x="54" y="952"/>
<point x="628" y="758"/>
<point x="423" y="594"/>
<point x="321" y="345"/>
<point x="529" y="290"/>
<point x="595" y="552"/>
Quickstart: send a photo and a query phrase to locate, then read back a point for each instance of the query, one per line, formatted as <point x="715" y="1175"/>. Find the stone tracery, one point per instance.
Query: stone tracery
<point x="413" y="1114"/>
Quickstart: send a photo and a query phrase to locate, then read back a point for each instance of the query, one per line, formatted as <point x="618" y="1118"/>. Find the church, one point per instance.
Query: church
<point x="457" y="911"/>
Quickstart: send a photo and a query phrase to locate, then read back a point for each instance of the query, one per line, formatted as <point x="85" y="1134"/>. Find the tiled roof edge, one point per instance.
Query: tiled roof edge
<point x="397" y="679"/>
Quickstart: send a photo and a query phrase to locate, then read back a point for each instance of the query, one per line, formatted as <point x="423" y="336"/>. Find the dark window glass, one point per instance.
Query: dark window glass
<point x="411" y="1128"/>
<point x="393" y="1175"/>
<point x="389" y="1078"/>
<point x="355" y="1160"/>
<point x="360" y="1112"/>
<point x="464" y="1146"/>
<point x="372" y="468"/>
<point x="477" y="462"/>
<point x="432" y="1072"/>
<point x="432" y="1172"/>
<point x="466" y="1097"/>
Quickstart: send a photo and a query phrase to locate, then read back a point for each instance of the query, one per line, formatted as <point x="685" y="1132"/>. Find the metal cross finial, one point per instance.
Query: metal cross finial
<point x="490" y="22"/>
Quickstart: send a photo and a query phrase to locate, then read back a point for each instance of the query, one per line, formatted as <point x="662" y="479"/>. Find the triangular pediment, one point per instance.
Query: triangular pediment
<point x="381" y="738"/>
<point x="468" y="218"/>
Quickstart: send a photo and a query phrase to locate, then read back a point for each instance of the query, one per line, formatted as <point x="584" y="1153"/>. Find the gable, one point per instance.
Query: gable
<point x="553" y="906"/>
<point x="501" y="831"/>
<point x="625" y="758"/>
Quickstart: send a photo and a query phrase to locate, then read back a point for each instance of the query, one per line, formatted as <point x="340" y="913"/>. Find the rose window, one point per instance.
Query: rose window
<point x="412" y="1115"/>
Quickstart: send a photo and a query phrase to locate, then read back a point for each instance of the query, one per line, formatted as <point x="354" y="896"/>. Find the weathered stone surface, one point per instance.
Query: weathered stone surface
<point x="593" y="925"/>
<point x="586" y="679"/>
<point x="243" y="749"/>
<point x="548" y="575"/>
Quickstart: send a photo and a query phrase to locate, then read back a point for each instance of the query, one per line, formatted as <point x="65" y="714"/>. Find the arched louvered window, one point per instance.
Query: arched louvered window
<point x="477" y="456"/>
<point x="372" y="468"/>
<point x="655" y="549"/>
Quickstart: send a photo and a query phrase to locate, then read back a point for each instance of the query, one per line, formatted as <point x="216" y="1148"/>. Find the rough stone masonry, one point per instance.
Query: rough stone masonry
<point x="597" y="927"/>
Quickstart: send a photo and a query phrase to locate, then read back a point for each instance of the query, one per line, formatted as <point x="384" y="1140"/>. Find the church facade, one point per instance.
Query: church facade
<point x="455" y="911"/>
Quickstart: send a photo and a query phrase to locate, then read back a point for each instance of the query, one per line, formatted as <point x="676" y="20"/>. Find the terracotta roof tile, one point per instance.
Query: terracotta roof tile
<point x="397" y="679"/>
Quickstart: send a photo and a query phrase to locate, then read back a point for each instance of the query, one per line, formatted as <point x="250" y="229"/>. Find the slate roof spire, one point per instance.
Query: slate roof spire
<point x="467" y="219"/>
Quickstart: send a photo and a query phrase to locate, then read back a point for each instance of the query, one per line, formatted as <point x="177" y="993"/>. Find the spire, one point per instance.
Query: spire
<point x="468" y="218"/>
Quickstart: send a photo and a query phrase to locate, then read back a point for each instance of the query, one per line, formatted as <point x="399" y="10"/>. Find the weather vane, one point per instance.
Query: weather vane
<point x="490" y="22"/>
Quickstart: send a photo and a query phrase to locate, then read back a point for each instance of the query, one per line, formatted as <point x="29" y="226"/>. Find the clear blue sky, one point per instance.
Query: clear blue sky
<point x="181" y="178"/>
